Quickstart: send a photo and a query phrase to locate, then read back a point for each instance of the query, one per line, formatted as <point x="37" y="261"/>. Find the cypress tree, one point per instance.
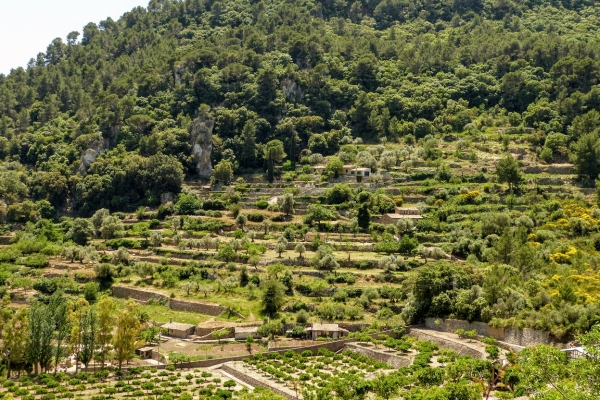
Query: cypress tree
<point x="270" y="172"/>
<point x="364" y="217"/>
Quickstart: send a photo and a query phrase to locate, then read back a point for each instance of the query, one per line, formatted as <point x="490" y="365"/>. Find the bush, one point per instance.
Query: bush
<point x="262" y="204"/>
<point x="34" y="261"/>
<point x="127" y="243"/>
<point x="256" y="217"/>
<point x="213" y="204"/>
<point x="45" y="286"/>
<point x="339" y="193"/>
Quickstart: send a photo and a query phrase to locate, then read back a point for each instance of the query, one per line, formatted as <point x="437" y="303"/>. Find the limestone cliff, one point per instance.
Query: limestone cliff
<point x="95" y="147"/>
<point x="202" y="129"/>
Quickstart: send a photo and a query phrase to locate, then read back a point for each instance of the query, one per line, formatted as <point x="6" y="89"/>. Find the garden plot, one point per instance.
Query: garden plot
<point x="133" y="383"/>
<point x="313" y="372"/>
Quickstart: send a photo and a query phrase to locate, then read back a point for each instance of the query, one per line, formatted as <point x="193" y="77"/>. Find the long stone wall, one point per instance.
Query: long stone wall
<point x="460" y="348"/>
<point x="393" y="360"/>
<point x="254" y="382"/>
<point x="202" y="308"/>
<point x="143" y="295"/>
<point x="124" y="292"/>
<point x="511" y="336"/>
<point x="526" y="337"/>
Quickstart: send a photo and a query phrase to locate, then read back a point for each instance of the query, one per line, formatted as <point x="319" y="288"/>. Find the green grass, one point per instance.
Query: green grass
<point x="159" y="313"/>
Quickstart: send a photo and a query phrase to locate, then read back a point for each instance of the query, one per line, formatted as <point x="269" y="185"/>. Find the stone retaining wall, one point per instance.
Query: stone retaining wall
<point x="254" y="382"/>
<point x="511" y="336"/>
<point x="460" y="348"/>
<point x="393" y="360"/>
<point x="142" y="295"/>
<point x="202" y="308"/>
<point x="124" y="292"/>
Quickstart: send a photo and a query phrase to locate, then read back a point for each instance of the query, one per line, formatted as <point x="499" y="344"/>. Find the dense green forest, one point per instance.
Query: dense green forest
<point x="311" y="74"/>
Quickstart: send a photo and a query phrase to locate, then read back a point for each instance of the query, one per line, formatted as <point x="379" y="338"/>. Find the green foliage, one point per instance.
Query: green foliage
<point x="273" y="295"/>
<point x="507" y="170"/>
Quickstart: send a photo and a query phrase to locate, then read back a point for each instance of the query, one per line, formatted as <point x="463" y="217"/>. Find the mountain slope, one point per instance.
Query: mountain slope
<point x="306" y="73"/>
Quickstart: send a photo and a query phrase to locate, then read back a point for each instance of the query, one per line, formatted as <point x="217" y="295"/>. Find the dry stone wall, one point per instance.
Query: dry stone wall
<point x="393" y="360"/>
<point x="142" y="295"/>
<point x="202" y="308"/>
<point x="460" y="348"/>
<point x="253" y="382"/>
<point x="511" y="336"/>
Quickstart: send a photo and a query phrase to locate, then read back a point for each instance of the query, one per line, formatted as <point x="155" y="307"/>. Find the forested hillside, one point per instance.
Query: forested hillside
<point x="311" y="74"/>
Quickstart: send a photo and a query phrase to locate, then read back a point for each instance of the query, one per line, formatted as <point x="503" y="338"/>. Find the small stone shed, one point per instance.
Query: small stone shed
<point x="144" y="352"/>
<point x="326" y="330"/>
<point x="178" y="329"/>
<point x="242" y="332"/>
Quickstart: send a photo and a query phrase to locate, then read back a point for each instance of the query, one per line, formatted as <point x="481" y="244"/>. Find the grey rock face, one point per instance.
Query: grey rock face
<point x="91" y="154"/>
<point x="202" y="129"/>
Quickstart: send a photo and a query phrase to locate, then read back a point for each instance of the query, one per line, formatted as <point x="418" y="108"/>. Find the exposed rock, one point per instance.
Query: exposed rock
<point x="167" y="198"/>
<point x="178" y="72"/>
<point x="202" y="129"/>
<point x="96" y="147"/>
<point x="564" y="169"/>
<point x="532" y="170"/>
<point x="291" y="90"/>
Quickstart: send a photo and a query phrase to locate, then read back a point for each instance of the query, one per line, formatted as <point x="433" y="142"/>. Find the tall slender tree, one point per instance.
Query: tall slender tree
<point x="60" y="314"/>
<point x="41" y="329"/>
<point x="106" y="308"/>
<point x="127" y="332"/>
<point x="89" y="328"/>
<point x="14" y="328"/>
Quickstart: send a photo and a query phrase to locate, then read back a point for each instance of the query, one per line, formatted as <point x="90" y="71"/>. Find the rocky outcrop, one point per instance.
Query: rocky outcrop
<point x="202" y="129"/>
<point x="96" y="147"/>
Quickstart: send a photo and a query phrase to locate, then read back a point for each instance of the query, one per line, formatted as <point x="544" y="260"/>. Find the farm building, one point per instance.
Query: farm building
<point x="178" y="329"/>
<point x="401" y="213"/>
<point x="242" y="332"/>
<point x="575" y="353"/>
<point x="144" y="352"/>
<point x="326" y="330"/>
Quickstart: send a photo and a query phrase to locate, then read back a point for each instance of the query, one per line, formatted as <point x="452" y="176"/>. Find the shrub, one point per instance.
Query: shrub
<point x="213" y="204"/>
<point x="262" y="204"/>
<point x="34" y="261"/>
<point x="256" y="217"/>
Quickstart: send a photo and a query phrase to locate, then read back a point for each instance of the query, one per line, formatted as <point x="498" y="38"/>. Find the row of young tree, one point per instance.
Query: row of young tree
<point x="38" y="338"/>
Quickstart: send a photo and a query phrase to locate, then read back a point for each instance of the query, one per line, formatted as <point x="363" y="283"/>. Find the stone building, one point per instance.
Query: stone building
<point x="412" y="213"/>
<point x="332" y="331"/>
<point x="178" y="329"/>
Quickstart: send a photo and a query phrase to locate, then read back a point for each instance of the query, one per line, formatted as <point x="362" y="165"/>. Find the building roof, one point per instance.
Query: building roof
<point x="362" y="169"/>
<point x="407" y="208"/>
<point x="326" y="328"/>
<point x="144" y="349"/>
<point x="246" y="329"/>
<point x="349" y="166"/>
<point x="178" y="326"/>
<point x="403" y="216"/>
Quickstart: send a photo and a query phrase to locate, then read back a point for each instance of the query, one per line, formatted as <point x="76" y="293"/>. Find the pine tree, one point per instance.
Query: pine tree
<point x="248" y="153"/>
